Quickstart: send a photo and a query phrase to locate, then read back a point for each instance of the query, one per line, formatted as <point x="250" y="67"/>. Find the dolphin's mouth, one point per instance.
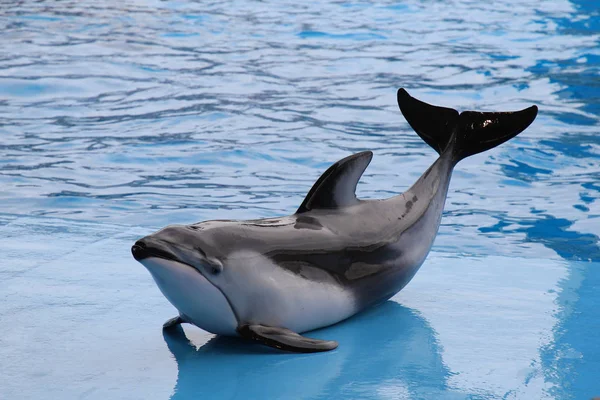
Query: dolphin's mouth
<point x="141" y="250"/>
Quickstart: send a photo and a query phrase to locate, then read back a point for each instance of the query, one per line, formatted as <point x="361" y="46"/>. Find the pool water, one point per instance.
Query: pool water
<point x="117" y="119"/>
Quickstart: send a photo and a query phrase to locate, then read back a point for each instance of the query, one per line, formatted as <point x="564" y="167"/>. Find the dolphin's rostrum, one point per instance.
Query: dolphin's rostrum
<point x="271" y="279"/>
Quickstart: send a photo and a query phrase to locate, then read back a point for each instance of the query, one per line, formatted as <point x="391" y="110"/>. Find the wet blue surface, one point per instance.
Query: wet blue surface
<point x="117" y="120"/>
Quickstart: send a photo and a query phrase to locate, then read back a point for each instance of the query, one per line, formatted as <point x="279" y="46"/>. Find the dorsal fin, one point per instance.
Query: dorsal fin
<point x="337" y="186"/>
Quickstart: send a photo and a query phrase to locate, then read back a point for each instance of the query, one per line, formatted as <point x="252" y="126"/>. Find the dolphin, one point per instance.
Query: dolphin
<point x="272" y="279"/>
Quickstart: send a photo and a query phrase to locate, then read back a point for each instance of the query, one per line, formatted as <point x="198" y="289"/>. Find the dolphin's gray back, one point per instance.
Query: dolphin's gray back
<point x="372" y="248"/>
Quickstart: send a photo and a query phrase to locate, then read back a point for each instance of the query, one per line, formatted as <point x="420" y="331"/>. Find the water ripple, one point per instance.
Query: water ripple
<point x="186" y="111"/>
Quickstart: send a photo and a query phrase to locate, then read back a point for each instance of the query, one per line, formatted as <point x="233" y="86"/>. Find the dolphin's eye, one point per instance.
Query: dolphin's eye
<point x="215" y="267"/>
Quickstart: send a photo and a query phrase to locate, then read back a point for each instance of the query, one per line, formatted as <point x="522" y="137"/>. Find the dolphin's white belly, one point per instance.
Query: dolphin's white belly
<point x="199" y="300"/>
<point x="317" y="306"/>
<point x="261" y="293"/>
<point x="264" y="293"/>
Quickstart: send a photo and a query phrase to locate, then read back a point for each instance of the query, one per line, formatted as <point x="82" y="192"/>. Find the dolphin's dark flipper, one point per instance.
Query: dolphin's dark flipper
<point x="173" y="321"/>
<point x="284" y="339"/>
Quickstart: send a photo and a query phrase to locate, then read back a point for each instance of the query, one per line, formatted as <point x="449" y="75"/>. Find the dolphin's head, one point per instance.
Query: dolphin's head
<point x="188" y="276"/>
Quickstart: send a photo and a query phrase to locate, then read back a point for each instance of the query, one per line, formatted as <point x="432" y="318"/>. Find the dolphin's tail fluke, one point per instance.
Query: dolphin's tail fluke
<point x="464" y="134"/>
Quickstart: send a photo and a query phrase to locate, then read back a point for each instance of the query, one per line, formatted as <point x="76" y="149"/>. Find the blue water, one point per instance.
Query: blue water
<point x="119" y="118"/>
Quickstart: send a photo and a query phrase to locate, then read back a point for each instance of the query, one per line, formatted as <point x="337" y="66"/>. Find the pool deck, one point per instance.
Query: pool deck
<point x="81" y="319"/>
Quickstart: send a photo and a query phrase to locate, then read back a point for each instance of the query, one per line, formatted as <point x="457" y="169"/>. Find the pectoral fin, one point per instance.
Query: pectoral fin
<point x="284" y="339"/>
<point x="173" y="322"/>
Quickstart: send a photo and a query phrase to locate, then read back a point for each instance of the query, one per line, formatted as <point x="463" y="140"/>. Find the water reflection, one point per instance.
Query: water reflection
<point x="570" y="361"/>
<point x="387" y="352"/>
